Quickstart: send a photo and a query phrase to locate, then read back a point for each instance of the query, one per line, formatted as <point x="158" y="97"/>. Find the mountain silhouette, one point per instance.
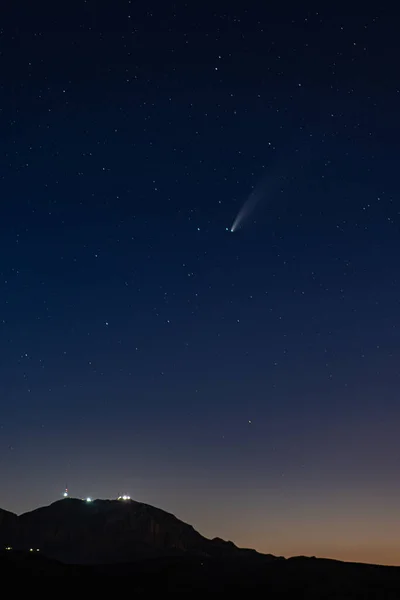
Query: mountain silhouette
<point x="109" y="531"/>
<point x="162" y="554"/>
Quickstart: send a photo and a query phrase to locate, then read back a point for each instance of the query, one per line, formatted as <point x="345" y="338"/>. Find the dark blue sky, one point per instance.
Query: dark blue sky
<point x="247" y="382"/>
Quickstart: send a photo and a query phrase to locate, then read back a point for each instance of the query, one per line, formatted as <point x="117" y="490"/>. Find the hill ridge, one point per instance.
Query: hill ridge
<point x="109" y="530"/>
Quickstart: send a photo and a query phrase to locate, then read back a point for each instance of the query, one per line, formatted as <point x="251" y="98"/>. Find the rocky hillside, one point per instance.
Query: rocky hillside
<point x="100" y="531"/>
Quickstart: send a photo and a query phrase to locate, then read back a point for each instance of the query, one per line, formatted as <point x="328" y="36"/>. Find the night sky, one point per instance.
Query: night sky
<point x="248" y="381"/>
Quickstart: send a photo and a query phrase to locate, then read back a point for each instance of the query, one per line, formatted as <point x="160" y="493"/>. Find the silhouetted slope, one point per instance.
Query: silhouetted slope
<point x="297" y="578"/>
<point x="14" y="563"/>
<point x="76" y="531"/>
<point x="8" y="527"/>
<point x="163" y="555"/>
<point x="7" y="518"/>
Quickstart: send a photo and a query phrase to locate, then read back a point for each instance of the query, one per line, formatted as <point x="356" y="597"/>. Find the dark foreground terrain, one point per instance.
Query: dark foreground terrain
<point x="303" y="578"/>
<point x="162" y="554"/>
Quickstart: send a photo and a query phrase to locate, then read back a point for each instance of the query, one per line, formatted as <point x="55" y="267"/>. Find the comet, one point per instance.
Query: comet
<point x="285" y="170"/>
<point x="249" y="205"/>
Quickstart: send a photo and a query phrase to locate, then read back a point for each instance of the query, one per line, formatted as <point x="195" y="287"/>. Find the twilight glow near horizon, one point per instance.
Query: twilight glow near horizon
<point x="247" y="383"/>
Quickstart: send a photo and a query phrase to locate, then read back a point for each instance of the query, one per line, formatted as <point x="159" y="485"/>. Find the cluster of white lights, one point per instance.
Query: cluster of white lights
<point x="33" y="549"/>
<point x="88" y="499"/>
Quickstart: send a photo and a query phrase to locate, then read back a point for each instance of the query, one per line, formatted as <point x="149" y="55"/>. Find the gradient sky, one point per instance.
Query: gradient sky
<point x="248" y="382"/>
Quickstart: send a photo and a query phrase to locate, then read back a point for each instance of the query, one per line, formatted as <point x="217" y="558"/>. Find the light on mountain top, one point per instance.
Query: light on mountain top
<point x="124" y="497"/>
<point x="88" y="499"/>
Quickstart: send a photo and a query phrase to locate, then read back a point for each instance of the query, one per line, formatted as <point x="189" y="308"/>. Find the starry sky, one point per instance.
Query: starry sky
<point x="248" y="381"/>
